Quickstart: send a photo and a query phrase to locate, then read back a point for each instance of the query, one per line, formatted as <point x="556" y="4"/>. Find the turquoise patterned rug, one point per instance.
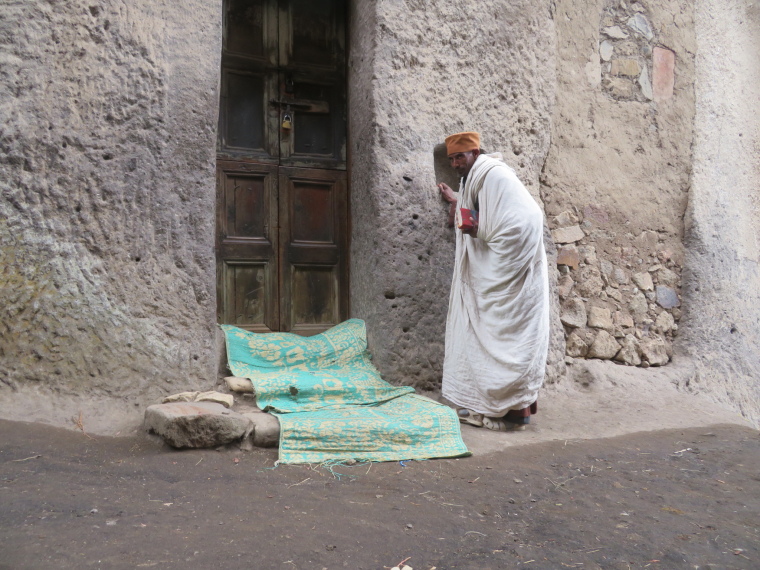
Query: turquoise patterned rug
<point x="332" y="403"/>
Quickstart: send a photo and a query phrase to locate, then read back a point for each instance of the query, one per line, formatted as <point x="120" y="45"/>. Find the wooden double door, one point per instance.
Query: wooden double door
<point x="282" y="197"/>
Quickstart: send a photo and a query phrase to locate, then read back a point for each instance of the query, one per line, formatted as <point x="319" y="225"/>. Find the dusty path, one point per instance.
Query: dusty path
<point x="687" y="498"/>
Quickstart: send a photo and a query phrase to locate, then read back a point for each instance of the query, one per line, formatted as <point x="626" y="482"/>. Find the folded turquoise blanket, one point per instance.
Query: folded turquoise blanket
<point x="331" y="402"/>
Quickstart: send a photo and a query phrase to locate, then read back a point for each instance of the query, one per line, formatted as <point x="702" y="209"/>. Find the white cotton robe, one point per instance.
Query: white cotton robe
<point x="497" y="330"/>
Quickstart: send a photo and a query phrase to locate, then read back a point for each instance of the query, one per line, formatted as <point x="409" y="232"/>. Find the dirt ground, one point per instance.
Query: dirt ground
<point x="685" y="498"/>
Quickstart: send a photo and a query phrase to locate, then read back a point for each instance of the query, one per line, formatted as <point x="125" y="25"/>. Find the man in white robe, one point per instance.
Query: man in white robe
<point x="497" y="329"/>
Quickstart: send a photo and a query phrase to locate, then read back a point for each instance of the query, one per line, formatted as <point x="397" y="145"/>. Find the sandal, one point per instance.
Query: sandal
<point x="500" y="424"/>
<point x="469" y="417"/>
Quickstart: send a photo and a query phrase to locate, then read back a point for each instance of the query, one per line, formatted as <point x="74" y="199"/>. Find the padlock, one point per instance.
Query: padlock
<point x="287" y="122"/>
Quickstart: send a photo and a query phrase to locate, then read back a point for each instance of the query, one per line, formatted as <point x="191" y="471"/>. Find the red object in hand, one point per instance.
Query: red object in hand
<point x="466" y="218"/>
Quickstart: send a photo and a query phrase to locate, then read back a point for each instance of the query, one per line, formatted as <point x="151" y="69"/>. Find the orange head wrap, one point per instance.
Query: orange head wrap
<point x="462" y="142"/>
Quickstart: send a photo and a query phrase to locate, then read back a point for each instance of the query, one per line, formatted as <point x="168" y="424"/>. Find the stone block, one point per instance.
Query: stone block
<point x="665" y="322"/>
<point x="605" y="50"/>
<point x="619" y="87"/>
<point x="646" y="84"/>
<point x="640" y="23"/>
<point x="588" y="254"/>
<point x="667" y="298"/>
<point x="197" y="424"/>
<point x="615" y="32"/>
<point x="600" y="318"/>
<point x="565" y="286"/>
<point x="590" y="282"/>
<point x="619" y="276"/>
<point x="568" y="235"/>
<point x="628" y="67"/>
<point x="604" y="346"/>
<point x="654" y="351"/>
<point x="614" y="294"/>
<point x="266" y="429"/>
<point x="622" y="319"/>
<point x="569" y="256"/>
<point x="663" y="72"/>
<point x="666" y="277"/>
<point x="575" y="346"/>
<point x="565" y="219"/>
<point x="573" y="313"/>
<point x="629" y="351"/>
<point x="638" y="306"/>
<point x="240" y="385"/>
<point x="643" y="281"/>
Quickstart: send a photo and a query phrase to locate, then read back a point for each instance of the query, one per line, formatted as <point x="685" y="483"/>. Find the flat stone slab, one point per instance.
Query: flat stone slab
<point x="196" y="424"/>
<point x="667" y="298"/>
<point x="568" y="235"/>
<point x="266" y="430"/>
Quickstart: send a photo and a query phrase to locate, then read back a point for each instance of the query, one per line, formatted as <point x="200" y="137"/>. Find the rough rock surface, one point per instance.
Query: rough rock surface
<point x="107" y="152"/>
<point x="198" y="424"/>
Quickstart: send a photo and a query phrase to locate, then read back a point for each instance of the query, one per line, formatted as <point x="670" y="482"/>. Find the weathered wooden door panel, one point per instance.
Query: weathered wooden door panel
<point x="312" y="60"/>
<point x="247" y="246"/>
<point x="313" y="245"/>
<point x="282" y="238"/>
<point x="248" y="123"/>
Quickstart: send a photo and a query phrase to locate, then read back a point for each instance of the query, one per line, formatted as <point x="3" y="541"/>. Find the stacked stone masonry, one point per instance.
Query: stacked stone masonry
<point x="616" y="180"/>
<point x="624" y="307"/>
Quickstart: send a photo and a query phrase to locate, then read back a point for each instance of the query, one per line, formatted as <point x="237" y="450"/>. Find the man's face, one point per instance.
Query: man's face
<point x="462" y="161"/>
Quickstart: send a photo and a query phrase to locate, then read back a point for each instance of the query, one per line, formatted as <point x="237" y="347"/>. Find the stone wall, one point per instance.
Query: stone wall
<point x="106" y="217"/>
<point x="616" y="178"/>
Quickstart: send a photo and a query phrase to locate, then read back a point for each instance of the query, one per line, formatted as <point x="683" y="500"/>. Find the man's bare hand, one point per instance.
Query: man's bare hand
<point x="447" y="193"/>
